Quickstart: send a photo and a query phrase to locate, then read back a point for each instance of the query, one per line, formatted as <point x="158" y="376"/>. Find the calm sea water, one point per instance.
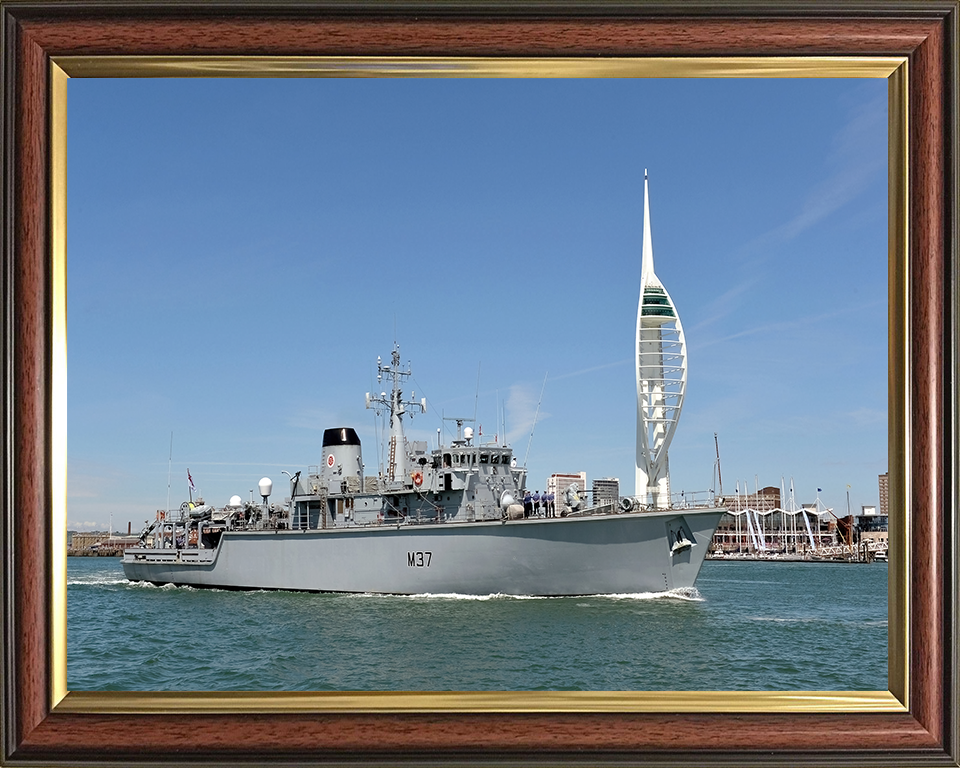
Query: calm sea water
<point x="748" y="626"/>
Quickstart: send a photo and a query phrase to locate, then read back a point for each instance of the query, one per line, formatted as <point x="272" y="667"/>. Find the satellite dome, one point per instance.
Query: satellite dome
<point x="266" y="486"/>
<point x="235" y="501"/>
<point x="468" y="433"/>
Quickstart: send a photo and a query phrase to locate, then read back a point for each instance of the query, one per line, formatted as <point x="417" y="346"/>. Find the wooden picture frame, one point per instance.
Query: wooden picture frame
<point x="45" y="42"/>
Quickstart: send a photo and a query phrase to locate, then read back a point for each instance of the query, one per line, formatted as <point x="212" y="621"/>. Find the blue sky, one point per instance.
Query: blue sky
<point x="240" y="252"/>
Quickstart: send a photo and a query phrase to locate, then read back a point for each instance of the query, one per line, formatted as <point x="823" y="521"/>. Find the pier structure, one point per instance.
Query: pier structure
<point x="661" y="374"/>
<point x="759" y="526"/>
<point x="766" y="523"/>
<point x="99" y="543"/>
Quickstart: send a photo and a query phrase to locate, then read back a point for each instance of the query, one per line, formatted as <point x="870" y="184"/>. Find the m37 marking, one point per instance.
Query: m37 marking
<point x="419" y="559"/>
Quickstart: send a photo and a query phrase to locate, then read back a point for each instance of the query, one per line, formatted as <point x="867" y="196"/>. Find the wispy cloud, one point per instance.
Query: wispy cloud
<point x="797" y="321"/>
<point x="76" y="525"/>
<point x="521" y="406"/>
<point x="311" y="418"/>
<point x="592" y="369"/>
<point x="864" y="417"/>
<point x="724" y="304"/>
<point x="97" y="516"/>
<point x="852" y="167"/>
<point x="92" y="480"/>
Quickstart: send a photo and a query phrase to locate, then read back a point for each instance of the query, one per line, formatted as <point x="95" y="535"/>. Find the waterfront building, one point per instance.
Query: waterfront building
<point x="661" y="374"/>
<point x="733" y="534"/>
<point x="884" y="483"/>
<point x="764" y="523"/>
<point x="558" y="483"/>
<point x="87" y="539"/>
<point x="91" y="542"/>
<point x="872" y="526"/>
<point x="606" y="490"/>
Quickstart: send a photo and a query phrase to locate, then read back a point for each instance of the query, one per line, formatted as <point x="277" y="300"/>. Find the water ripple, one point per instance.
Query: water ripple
<point x="748" y="626"/>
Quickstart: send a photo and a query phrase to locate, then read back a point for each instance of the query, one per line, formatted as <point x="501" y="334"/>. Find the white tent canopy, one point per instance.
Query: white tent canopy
<point x="757" y="519"/>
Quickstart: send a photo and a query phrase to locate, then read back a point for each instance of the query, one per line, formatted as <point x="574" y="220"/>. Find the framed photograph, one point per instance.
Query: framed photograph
<point x="46" y="44"/>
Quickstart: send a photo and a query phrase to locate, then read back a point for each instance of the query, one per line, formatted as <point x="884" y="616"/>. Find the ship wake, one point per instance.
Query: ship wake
<point x="685" y="594"/>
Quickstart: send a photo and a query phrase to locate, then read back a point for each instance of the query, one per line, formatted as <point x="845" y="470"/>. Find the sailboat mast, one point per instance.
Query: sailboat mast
<point x="169" y="468"/>
<point x="719" y="474"/>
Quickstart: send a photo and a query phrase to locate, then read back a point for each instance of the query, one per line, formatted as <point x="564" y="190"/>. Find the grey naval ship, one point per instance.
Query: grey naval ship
<point x="451" y="520"/>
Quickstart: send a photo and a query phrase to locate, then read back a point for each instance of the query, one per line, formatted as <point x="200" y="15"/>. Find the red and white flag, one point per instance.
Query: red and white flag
<point x="190" y="479"/>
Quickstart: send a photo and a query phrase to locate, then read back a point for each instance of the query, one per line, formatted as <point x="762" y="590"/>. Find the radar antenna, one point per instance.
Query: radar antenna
<point x="396" y="406"/>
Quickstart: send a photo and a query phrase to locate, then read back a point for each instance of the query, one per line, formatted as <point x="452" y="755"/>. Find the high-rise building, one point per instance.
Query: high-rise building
<point x="606" y="490"/>
<point x="661" y="374"/>
<point x="884" y="480"/>
<point x="558" y="483"/>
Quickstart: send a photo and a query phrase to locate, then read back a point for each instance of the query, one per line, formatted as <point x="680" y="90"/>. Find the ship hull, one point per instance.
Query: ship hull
<point x="609" y="554"/>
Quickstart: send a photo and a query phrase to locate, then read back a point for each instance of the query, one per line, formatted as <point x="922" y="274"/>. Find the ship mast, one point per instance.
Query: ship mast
<point x="397" y="470"/>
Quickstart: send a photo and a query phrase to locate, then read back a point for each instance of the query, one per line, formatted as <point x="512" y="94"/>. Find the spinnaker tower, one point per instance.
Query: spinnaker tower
<point x="661" y="374"/>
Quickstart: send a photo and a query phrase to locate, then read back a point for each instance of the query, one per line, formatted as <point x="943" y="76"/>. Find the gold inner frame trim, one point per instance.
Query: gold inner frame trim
<point x="58" y="375"/>
<point x="415" y="66"/>
<point x="894" y="69"/>
<point x="132" y="702"/>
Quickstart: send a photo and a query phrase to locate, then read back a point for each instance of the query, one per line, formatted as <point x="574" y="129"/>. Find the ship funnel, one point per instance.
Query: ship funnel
<point x="342" y="469"/>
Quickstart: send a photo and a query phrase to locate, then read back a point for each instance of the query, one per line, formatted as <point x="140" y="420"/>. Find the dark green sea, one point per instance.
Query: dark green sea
<point x="747" y="626"/>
